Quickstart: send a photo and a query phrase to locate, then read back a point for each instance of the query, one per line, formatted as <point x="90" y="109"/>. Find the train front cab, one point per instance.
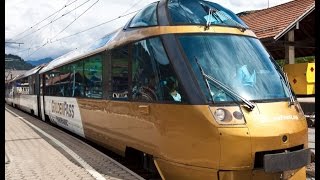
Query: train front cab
<point x="243" y="121"/>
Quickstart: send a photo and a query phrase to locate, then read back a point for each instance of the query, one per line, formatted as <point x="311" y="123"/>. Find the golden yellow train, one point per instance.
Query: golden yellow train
<point x="187" y="85"/>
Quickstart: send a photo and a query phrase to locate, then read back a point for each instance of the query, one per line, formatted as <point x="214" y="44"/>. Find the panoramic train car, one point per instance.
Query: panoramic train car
<point x="187" y="85"/>
<point x="23" y="91"/>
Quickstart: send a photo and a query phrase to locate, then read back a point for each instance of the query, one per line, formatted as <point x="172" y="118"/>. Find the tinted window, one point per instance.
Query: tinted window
<point x="197" y="12"/>
<point x="46" y="80"/>
<point x="64" y="83"/>
<point x="22" y="86"/>
<point x="146" y="17"/>
<point x="41" y="84"/>
<point x="239" y="62"/>
<point x="119" y="73"/>
<point x="31" y="82"/>
<point x="52" y="85"/>
<point x="77" y="79"/>
<point x="153" y="78"/>
<point x="9" y="90"/>
<point x="93" y="76"/>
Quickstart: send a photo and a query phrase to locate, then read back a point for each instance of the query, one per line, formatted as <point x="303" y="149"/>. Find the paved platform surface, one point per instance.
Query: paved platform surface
<point x="311" y="139"/>
<point x="35" y="150"/>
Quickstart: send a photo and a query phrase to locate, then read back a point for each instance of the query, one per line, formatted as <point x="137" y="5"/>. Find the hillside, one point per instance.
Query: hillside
<point x="40" y="61"/>
<point x="16" y="62"/>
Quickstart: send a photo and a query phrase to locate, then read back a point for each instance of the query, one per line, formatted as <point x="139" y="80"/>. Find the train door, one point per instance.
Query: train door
<point x="37" y="93"/>
<point x="41" y="97"/>
<point x="130" y="106"/>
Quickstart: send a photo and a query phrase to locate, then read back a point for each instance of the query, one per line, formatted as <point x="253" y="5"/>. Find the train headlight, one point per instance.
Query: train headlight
<point x="228" y="115"/>
<point x="220" y="114"/>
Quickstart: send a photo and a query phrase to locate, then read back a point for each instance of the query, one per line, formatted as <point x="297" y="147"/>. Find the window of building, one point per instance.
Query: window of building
<point x="119" y="73"/>
<point x="93" y="76"/>
<point x="153" y="78"/>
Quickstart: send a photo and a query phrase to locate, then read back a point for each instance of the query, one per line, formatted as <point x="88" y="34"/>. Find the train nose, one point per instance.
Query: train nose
<point x="275" y="128"/>
<point x="235" y="148"/>
<point x="269" y="127"/>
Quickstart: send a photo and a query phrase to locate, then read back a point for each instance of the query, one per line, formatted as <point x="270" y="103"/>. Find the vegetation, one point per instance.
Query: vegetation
<point x="40" y="61"/>
<point x="307" y="59"/>
<point x="16" y="62"/>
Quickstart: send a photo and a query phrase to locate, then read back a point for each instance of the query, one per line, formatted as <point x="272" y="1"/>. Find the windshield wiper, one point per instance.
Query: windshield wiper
<point x="213" y="12"/>
<point x="285" y="80"/>
<point x="224" y="87"/>
<point x="291" y="102"/>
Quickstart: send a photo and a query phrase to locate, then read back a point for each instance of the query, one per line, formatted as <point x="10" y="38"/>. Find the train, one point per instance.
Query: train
<point x="186" y="86"/>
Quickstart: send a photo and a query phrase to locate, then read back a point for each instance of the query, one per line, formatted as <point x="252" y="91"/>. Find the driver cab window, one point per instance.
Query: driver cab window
<point x="153" y="79"/>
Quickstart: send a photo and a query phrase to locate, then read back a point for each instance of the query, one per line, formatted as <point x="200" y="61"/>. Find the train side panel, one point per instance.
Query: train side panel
<point x="28" y="103"/>
<point x="64" y="112"/>
<point x="177" y="133"/>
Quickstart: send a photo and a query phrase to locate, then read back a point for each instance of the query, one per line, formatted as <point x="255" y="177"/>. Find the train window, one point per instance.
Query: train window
<point x="52" y="85"/>
<point x="202" y="12"/>
<point x="64" y="82"/>
<point x="9" y="90"/>
<point x="23" y="86"/>
<point x="46" y="81"/>
<point x="41" y="90"/>
<point x="77" y="79"/>
<point x="146" y="17"/>
<point x="153" y="78"/>
<point x="31" y="84"/>
<point x="119" y="73"/>
<point x="239" y="62"/>
<point x="93" y="76"/>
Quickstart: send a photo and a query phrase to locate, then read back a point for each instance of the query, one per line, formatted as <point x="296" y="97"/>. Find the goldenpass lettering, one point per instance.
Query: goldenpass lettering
<point x="62" y="108"/>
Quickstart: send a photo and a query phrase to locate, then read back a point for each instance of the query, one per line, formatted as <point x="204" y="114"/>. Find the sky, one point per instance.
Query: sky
<point x="41" y="24"/>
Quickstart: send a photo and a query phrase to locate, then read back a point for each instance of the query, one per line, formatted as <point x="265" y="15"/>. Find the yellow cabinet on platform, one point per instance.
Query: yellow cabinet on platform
<point x="301" y="77"/>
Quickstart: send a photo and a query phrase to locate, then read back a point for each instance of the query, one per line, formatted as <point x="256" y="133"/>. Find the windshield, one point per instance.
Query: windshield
<point x="239" y="62"/>
<point x="197" y="12"/>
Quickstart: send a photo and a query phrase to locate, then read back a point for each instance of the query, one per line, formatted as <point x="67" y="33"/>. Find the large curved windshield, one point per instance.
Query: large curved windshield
<point x="239" y="62"/>
<point x="146" y="17"/>
<point x="202" y="12"/>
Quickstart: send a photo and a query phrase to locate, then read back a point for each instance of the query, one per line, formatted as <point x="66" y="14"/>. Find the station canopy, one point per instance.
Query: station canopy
<point x="272" y="25"/>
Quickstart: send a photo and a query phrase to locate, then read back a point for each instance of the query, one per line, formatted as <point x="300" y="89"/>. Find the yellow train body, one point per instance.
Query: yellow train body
<point x="187" y="143"/>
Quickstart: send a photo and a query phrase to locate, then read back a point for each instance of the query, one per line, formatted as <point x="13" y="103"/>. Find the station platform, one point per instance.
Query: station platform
<point x="35" y="150"/>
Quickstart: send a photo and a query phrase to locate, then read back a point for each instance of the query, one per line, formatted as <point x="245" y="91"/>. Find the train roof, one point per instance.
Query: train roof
<point x="29" y="72"/>
<point x="79" y="53"/>
<point x="164" y="13"/>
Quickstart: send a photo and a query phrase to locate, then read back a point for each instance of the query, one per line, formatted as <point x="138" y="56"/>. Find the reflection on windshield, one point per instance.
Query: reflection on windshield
<point x="202" y="12"/>
<point x="239" y="62"/>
